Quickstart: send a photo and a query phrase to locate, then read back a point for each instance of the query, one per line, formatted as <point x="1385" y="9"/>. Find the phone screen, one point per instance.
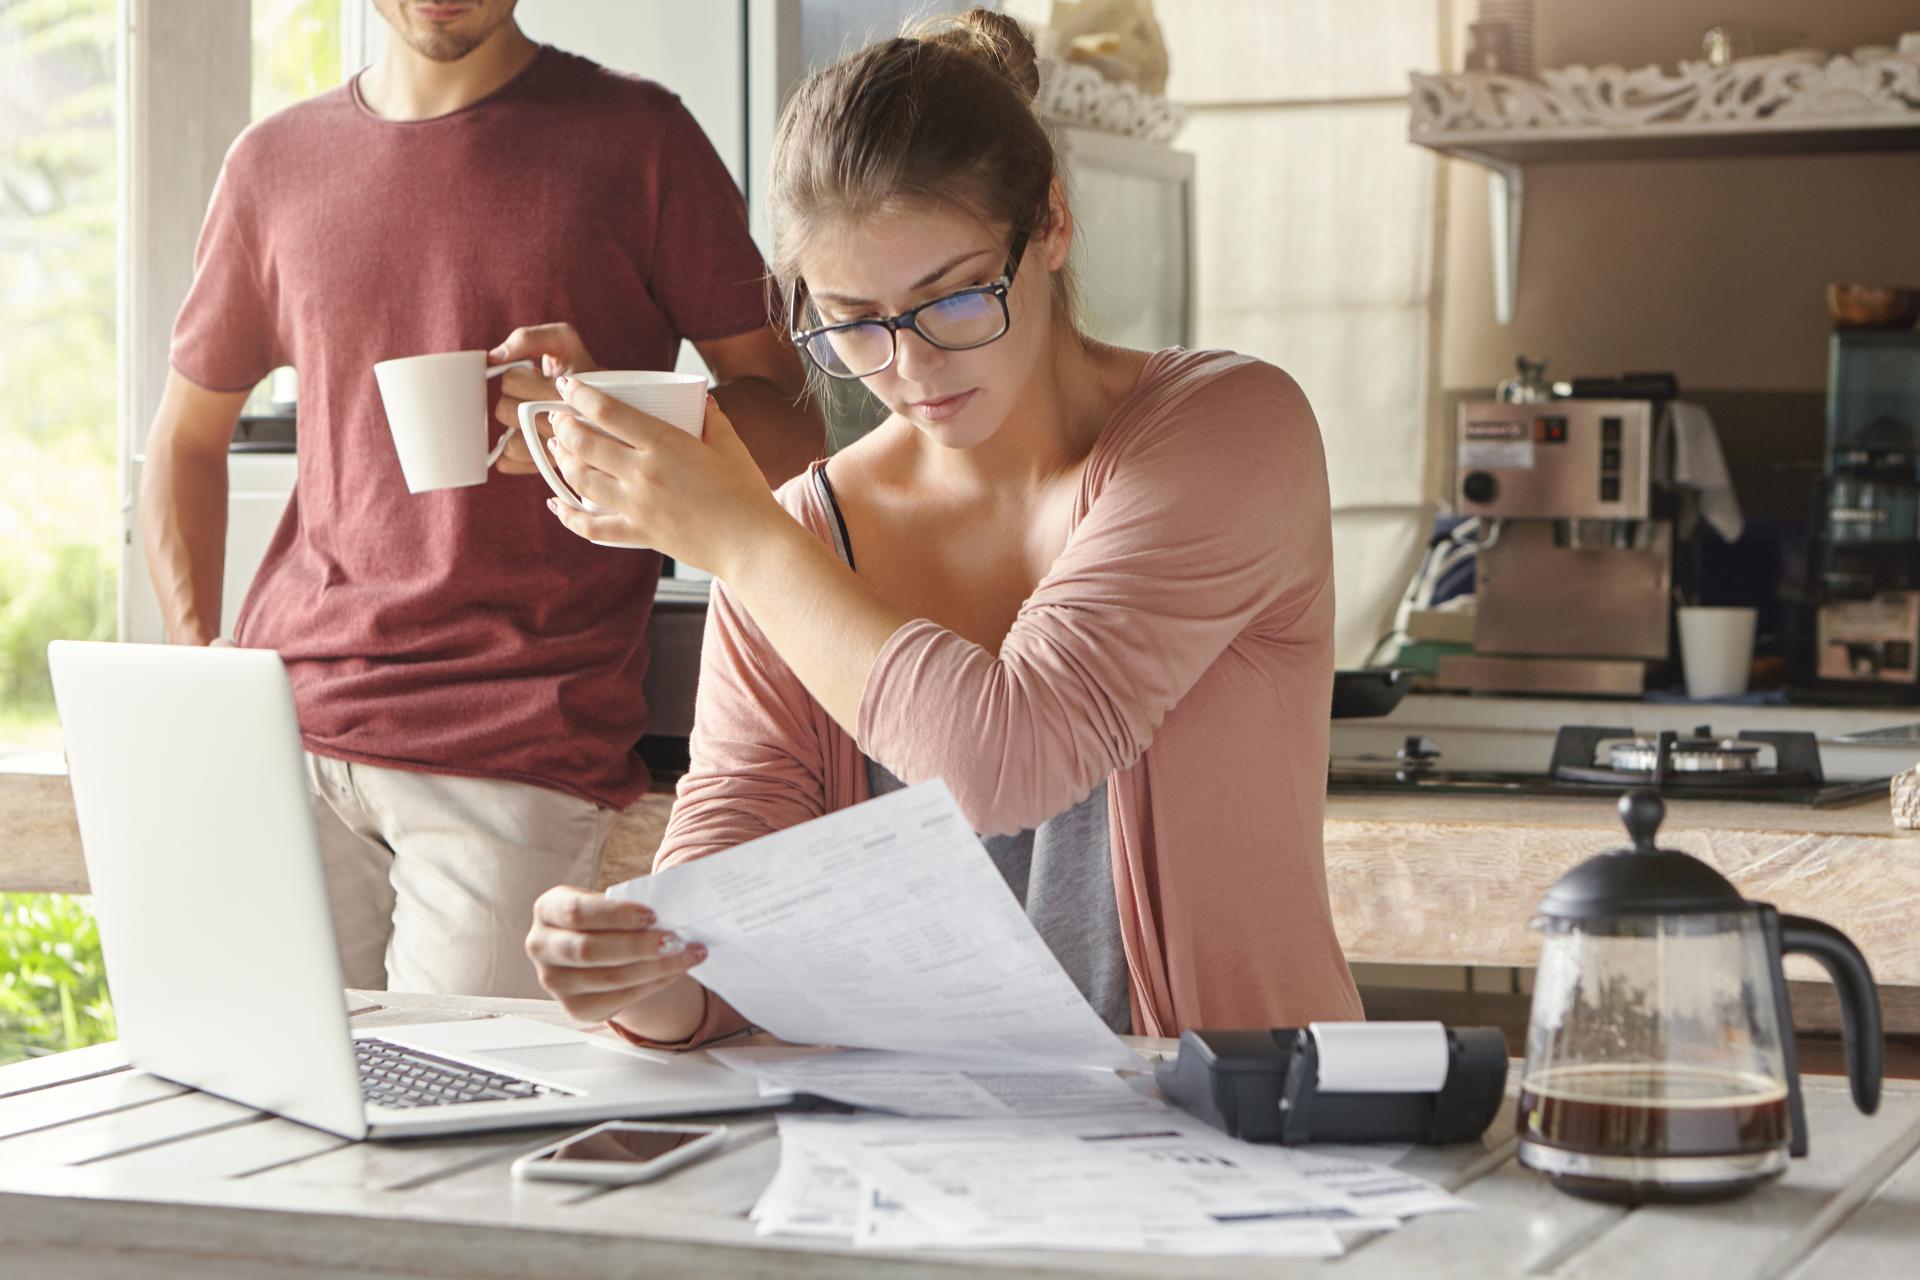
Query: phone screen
<point x="626" y="1146"/>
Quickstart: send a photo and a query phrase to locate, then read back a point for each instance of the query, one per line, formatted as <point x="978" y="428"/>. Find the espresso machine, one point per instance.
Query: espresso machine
<point x="1866" y="547"/>
<point x="1574" y="571"/>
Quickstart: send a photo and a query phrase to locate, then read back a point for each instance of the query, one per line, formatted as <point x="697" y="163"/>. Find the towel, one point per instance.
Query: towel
<point x="1699" y="465"/>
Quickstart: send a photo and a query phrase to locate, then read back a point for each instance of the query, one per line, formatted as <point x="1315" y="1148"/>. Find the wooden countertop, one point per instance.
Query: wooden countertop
<point x="1868" y="816"/>
<point x="1418" y="879"/>
<point x="1455" y="879"/>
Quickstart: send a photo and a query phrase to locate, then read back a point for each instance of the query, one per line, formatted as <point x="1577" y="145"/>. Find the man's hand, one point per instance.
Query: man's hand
<point x="558" y="350"/>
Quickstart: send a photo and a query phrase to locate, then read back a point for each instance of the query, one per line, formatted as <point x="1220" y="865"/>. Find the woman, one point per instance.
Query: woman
<point x="1088" y="587"/>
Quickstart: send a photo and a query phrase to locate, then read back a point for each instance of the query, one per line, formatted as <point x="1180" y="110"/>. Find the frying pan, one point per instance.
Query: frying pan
<point x="1372" y="691"/>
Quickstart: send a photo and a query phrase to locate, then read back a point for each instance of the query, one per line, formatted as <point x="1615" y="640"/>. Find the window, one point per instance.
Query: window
<point x="58" y="505"/>
<point x="296" y="51"/>
<point x="58" y="517"/>
<point x="1315" y="223"/>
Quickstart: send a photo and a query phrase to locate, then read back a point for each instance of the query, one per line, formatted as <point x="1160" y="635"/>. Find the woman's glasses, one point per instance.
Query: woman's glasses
<point x="958" y="321"/>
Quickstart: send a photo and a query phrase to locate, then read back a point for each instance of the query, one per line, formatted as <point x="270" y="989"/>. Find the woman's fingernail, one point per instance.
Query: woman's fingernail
<point x="563" y="382"/>
<point x="644" y="917"/>
<point x="672" y="944"/>
<point x="553" y="443"/>
<point x="697" y="953"/>
<point x="553" y="505"/>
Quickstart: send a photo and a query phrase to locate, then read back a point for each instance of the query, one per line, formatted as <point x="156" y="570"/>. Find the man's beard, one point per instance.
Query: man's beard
<point x="443" y="46"/>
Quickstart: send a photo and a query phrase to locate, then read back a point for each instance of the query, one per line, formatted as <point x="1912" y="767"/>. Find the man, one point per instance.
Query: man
<point x="467" y="671"/>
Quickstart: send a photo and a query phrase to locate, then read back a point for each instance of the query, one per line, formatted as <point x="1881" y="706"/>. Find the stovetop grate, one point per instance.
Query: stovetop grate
<point x="1794" y="778"/>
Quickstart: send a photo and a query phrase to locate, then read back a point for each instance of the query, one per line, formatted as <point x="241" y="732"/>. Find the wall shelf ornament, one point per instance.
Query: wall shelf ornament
<point x="1784" y="104"/>
<point x="1074" y="93"/>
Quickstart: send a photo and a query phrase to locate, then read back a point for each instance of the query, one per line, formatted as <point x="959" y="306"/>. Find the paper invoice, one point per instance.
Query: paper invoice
<point x="882" y="926"/>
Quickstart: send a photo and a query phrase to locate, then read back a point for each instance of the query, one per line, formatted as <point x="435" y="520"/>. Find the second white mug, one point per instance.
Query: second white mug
<point x="677" y="399"/>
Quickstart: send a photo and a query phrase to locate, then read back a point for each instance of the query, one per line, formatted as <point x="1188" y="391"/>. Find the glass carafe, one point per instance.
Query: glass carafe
<point x="1660" y="1061"/>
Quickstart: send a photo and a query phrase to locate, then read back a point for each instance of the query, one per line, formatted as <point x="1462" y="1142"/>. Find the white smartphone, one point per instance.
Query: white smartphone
<point x="622" y="1151"/>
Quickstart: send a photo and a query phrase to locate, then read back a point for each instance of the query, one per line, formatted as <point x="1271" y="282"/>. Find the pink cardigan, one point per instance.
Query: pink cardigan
<point x="1181" y="648"/>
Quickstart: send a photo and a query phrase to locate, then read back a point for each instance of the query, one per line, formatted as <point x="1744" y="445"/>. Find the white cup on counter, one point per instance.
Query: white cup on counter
<point x="677" y="399"/>
<point x="437" y="410"/>
<point x="1716" y="649"/>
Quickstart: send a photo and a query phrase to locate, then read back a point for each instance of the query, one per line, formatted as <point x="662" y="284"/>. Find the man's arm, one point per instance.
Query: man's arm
<point x="762" y="388"/>
<point x="183" y="505"/>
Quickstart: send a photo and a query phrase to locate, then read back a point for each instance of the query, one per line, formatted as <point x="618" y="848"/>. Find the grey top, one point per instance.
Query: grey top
<point x="1061" y="871"/>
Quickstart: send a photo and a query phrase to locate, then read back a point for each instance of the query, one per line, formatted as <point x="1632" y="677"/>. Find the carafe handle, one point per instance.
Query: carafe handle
<point x="1859" y="1000"/>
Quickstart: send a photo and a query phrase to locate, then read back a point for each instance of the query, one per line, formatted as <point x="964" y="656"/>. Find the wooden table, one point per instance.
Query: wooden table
<point x="106" y="1172"/>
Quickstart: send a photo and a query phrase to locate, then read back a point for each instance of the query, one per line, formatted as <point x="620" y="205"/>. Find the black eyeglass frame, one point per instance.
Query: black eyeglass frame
<point x="998" y="289"/>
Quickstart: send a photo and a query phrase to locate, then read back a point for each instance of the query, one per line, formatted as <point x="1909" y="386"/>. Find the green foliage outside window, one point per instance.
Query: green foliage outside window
<point x="53" y="987"/>
<point x="58" y="506"/>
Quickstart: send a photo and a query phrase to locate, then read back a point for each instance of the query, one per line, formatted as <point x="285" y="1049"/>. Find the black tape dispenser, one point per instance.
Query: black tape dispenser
<point x="1342" y="1081"/>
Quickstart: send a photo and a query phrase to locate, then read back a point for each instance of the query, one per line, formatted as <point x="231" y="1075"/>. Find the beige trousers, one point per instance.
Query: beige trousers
<point x="432" y="877"/>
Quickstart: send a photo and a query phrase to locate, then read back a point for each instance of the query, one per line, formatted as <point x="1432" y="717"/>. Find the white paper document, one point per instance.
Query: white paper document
<point x="882" y="926"/>
<point x="1366" y="1176"/>
<point x="1155" y="1182"/>
<point x="921" y="1085"/>
<point x="810" y="1195"/>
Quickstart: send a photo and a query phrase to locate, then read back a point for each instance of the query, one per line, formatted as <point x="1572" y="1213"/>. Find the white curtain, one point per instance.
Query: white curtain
<point x="1315" y="248"/>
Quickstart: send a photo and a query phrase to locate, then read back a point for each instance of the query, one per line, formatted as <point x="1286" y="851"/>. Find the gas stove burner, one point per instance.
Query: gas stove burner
<point x="1687" y="755"/>
<point x="1592" y="762"/>
<point x="1699" y="760"/>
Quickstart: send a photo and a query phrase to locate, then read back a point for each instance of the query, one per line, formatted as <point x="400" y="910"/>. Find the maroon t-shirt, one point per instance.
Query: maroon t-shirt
<point x="465" y="630"/>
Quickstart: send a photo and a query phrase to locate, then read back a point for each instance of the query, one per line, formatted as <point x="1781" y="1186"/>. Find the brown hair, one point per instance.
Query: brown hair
<point x="942" y="114"/>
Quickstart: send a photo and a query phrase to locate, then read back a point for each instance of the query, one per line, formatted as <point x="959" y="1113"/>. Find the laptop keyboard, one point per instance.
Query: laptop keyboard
<point x="393" y="1075"/>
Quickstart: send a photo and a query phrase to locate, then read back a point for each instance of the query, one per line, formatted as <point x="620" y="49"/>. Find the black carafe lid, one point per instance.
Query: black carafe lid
<point x="1641" y="880"/>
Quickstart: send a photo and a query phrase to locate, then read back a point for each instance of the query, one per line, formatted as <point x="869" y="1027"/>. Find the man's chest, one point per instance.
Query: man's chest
<point x="407" y="249"/>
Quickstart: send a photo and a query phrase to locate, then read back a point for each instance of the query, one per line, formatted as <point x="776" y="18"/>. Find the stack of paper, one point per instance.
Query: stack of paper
<point x="1157" y="1182"/>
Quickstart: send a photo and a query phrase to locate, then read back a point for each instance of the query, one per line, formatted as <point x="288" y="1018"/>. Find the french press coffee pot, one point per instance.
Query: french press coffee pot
<point x="1660" y="1057"/>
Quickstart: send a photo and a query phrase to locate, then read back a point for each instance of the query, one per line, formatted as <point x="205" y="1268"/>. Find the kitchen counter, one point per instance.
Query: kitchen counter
<point x="1413" y="879"/>
<point x="1482" y="731"/>
<point x="1455" y="879"/>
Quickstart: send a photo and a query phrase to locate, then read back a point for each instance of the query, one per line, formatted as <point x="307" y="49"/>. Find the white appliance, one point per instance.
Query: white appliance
<point x="205" y="870"/>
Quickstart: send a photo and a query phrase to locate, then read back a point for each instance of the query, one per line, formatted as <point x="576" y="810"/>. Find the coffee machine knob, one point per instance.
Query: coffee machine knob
<point x="1479" y="486"/>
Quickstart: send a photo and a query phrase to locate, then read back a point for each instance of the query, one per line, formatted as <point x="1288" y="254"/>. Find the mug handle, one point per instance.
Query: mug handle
<point x="500" y="445"/>
<point x="530" y="410"/>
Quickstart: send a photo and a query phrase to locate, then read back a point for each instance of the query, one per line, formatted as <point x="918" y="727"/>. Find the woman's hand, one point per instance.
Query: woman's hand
<point x="702" y="501"/>
<point x="555" y="349"/>
<point x="602" y="956"/>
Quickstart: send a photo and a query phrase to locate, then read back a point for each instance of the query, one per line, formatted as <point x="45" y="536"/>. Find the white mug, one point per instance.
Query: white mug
<point x="677" y="399"/>
<point x="437" y="410"/>
<point x="1716" y="649"/>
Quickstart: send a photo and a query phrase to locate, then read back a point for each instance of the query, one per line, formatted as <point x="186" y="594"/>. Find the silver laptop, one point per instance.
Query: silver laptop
<point x="205" y="870"/>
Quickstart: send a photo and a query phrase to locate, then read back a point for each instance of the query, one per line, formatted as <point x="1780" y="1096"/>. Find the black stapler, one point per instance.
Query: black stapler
<point x="1342" y="1081"/>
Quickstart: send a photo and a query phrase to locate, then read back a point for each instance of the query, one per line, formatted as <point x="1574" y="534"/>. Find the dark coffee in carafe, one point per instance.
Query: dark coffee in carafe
<point x="1653" y="1132"/>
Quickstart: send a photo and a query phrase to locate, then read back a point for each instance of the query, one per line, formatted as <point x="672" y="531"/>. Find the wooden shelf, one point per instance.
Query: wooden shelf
<point x="1591" y="145"/>
<point x="1774" y="106"/>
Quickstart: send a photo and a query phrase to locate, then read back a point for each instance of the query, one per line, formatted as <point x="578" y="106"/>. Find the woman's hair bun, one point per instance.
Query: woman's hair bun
<point x="996" y="40"/>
